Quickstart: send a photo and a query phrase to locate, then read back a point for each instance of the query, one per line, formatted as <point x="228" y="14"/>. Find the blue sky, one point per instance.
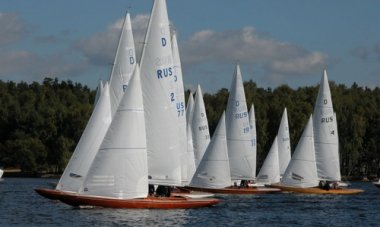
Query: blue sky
<point x="275" y="42"/>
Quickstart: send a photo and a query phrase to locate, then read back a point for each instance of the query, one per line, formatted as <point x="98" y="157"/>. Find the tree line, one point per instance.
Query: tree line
<point x="40" y="124"/>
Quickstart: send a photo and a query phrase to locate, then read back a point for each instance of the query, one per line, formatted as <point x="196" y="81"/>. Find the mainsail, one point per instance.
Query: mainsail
<point x="239" y="136"/>
<point x="159" y="96"/>
<point x="325" y="134"/>
<point x="199" y="127"/>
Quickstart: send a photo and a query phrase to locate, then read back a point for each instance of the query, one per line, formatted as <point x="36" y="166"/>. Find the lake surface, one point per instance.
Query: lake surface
<point x="20" y="205"/>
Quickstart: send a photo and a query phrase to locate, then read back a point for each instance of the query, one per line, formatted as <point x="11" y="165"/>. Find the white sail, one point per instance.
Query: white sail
<point x="213" y="170"/>
<point x="190" y="149"/>
<point x="252" y="125"/>
<point x="190" y="108"/>
<point x="120" y="168"/>
<point x="199" y="127"/>
<point x="124" y="63"/>
<point x="181" y="109"/>
<point x="99" y="91"/>
<point x="284" y="143"/>
<point x="302" y="169"/>
<point x="88" y="145"/>
<point x="190" y="154"/>
<point x="159" y="95"/>
<point x="325" y="134"/>
<point x="270" y="171"/>
<point x="1" y="173"/>
<point x="239" y="137"/>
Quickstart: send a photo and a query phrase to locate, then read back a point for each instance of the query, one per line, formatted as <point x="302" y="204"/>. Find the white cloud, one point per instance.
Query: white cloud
<point x="278" y="59"/>
<point x="100" y="48"/>
<point x="12" y="28"/>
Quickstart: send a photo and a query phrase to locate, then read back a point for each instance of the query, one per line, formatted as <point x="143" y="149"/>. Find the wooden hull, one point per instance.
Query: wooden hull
<point x="339" y="191"/>
<point x="52" y="194"/>
<point x="172" y="202"/>
<point x="237" y="190"/>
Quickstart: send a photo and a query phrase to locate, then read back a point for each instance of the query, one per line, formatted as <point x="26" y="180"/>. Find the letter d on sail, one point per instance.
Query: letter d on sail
<point x="163" y="42"/>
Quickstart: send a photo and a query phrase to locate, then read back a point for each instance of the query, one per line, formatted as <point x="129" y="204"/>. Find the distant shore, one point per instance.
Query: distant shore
<point x="19" y="173"/>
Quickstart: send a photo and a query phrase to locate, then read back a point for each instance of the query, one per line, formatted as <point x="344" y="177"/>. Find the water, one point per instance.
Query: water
<point x="20" y="205"/>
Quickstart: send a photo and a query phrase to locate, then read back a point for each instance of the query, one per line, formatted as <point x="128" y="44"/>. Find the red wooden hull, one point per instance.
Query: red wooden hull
<point x="338" y="191"/>
<point x="77" y="200"/>
<point x="237" y="190"/>
<point x="52" y="194"/>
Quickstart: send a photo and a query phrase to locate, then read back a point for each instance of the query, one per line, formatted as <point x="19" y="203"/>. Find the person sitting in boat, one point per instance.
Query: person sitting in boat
<point x="244" y="184"/>
<point x="163" y="191"/>
<point x="324" y="185"/>
<point x="151" y="190"/>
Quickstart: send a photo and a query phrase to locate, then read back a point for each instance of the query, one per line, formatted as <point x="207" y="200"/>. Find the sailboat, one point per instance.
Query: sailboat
<point x="107" y="100"/>
<point x="127" y="162"/>
<point x="326" y="135"/>
<point x="270" y="170"/>
<point x="241" y="158"/>
<point x="376" y="183"/>
<point x="213" y="173"/>
<point x="278" y="157"/>
<point x="1" y="173"/>
<point x="301" y="174"/>
<point x="118" y="177"/>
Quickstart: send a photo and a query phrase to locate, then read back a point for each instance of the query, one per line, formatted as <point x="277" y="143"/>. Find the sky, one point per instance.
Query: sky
<point x="274" y="42"/>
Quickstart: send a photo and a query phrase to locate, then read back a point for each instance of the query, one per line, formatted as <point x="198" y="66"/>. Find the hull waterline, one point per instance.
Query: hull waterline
<point x="338" y="191"/>
<point x="237" y="190"/>
<point x="173" y="202"/>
